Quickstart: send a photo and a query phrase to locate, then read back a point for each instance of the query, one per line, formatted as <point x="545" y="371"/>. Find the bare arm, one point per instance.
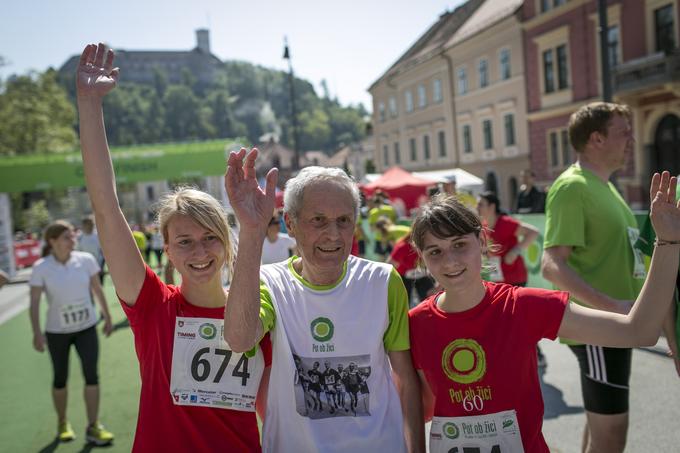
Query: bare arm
<point x="642" y="325"/>
<point x="556" y="270"/>
<point x="38" y="337"/>
<point x="527" y="234"/>
<point x="94" y="79"/>
<point x="671" y="338"/>
<point x="427" y="397"/>
<point x="253" y="208"/>
<point x="408" y="386"/>
<point x="96" y="288"/>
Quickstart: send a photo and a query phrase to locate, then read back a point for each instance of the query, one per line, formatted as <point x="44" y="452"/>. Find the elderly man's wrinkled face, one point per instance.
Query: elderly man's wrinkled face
<point x="324" y="228"/>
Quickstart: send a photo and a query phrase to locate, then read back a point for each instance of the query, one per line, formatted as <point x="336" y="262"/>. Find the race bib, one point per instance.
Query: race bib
<point x="639" y="270"/>
<point x="76" y="316"/>
<point x="490" y="433"/>
<point x="206" y="372"/>
<point x="494" y="267"/>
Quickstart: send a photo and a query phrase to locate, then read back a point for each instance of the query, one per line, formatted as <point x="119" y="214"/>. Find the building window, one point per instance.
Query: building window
<point x="663" y="20"/>
<point x="562" y="72"/>
<point x="381" y="111"/>
<point x="437" y="91"/>
<point x="559" y="149"/>
<point x="393" y="107"/>
<point x="467" y="139"/>
<point x="426" y="147"/>
<point x="509" y="121"/>
<point x="505" y="64"/>
<point x="422" y="96"/>
<point x="397" y="153"/>
<point x="386" y="155"/>
<point x="613" y="45"/>
<point x="483" y="73"/>
<point x="488" y="134"/>
<point x="412" y="149"/>
<point x="408" y="98"/>
<point x="462" y="81"/>
<point x="548" y="74"/>
<point x="442" y="143"/>
<point x="550" y="67"/>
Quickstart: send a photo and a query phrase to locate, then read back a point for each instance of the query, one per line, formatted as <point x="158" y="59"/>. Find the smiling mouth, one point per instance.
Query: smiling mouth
<point x="202" y="266"/>
<point x="329" y="249"/>
<point x="454" y="274"/>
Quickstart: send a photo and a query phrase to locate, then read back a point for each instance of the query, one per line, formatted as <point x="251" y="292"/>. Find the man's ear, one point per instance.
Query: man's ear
<point x="287" y="219"/>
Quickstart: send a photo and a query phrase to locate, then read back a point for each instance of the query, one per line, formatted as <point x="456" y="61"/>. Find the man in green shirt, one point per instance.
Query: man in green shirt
<point x="590" y="238"/>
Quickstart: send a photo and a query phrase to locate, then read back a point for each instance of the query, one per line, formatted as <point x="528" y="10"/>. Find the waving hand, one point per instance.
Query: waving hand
<point x="95" y="75"/>
<point x="665" y="210"/>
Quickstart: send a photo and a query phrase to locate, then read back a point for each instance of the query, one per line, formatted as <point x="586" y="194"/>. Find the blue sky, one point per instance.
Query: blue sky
<point x="348" y="42"/>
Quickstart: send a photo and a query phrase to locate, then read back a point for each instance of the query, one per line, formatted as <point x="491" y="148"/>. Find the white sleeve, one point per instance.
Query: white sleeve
<point x="92" y="265"/>
<point x="36" y="278"/>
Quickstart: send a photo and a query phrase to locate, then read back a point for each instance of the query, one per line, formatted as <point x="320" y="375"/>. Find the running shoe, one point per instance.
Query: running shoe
<point x="98" y="435"/>
<point x="65" y="432"/>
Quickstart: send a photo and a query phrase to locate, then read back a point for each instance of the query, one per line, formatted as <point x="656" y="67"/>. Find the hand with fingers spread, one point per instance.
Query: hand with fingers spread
<point x="252" y="205"/>
<point x="665" y="210"/>
<point x="95" y="75"/>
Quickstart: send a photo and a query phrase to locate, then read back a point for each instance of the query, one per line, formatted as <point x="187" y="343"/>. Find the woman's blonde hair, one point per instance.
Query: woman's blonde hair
<point x="203" y="209"/>
<point x="53" y="231"/>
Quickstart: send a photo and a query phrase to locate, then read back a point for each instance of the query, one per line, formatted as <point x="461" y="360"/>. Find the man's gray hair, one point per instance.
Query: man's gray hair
<point x="295" y="187"/>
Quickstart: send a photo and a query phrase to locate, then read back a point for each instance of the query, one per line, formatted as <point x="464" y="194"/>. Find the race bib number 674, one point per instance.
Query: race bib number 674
<point x="206" y="372"/>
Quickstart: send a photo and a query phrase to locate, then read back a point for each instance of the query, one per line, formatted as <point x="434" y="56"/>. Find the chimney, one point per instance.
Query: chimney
<point x="203" y="40"/>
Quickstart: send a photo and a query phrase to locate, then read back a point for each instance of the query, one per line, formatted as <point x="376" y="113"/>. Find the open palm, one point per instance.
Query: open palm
<point x="252" y="205"/>
<point x="95" y="75"/>
<point x="665" y="210"/>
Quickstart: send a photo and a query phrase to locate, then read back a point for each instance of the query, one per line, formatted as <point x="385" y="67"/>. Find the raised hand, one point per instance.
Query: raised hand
<point x="252" y="205"/>
<point x="665" y="210"/>
<point x="95" y="75"/>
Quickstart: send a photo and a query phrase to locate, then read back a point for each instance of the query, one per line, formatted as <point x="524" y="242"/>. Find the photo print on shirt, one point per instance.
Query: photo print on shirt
<point x="328" y="387"/>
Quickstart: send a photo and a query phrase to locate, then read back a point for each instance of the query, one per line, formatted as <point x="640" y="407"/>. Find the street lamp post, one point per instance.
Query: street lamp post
<point x="291" y="87"/>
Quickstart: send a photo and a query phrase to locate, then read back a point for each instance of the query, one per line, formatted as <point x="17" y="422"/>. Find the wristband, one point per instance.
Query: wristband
<point x="659" y="242"/>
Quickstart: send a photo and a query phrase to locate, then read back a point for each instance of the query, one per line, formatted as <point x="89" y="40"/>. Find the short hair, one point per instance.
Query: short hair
<point x="87" y="220"/>
<point x="444" y="217"/>
<point x="593" y="117"/>
<point x="203" y="209"/>
<point x="295" y="187"/>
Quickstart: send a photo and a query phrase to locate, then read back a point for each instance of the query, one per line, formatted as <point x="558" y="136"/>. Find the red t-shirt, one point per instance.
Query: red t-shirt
<point x="404" y="255"/>
<point x="504" y="235"/>
<point x="161" y="424"/>
<point x="506" y="325"/>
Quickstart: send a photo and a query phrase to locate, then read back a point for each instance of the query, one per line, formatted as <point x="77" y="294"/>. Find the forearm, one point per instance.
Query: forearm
<point x="566" y="279"/>
<point x="412" y="409"/>
<point x="527" y="239"/>
<point x="35" y="316"/>
<point x="242" y="325"/>
<point x="652" y="304"/>
<point x="103" y="303"/>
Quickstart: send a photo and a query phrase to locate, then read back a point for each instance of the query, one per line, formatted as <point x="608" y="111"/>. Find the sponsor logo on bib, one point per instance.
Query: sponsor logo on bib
<point x="322" y="329"/>
<point x="451" y="430"/>
<point x="207" y="331"/>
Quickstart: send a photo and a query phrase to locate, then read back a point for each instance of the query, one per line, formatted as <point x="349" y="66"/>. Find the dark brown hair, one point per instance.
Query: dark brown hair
<point x="444" y="217"/>
<point x="593" y="117"/>
<point x="53" y="231"/>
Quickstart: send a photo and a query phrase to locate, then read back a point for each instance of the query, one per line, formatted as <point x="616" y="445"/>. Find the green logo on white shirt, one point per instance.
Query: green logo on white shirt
<point x="322" y="329"/>
<point x="451" y="430"/>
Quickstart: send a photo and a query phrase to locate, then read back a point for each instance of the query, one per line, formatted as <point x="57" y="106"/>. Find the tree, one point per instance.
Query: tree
<point x="36" y="116"/>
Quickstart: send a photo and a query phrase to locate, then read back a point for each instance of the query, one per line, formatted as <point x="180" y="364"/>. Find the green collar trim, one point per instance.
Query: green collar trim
<point x="311" y="285"/>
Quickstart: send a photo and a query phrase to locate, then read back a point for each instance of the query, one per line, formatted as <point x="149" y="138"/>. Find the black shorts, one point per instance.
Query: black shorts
<point x="605" y="373"/>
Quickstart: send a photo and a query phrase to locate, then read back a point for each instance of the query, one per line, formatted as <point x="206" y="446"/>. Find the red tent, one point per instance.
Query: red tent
<point x="398" y="183"/>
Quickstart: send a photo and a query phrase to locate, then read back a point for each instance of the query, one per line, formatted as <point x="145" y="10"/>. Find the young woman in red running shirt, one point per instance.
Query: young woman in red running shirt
<point x="197" y="394"/>
<point x="474" y="343"/>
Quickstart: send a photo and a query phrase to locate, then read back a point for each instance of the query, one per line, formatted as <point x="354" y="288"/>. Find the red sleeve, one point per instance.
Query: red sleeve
<point x="153" y="292"/>
<point x="266" y="346"/>
<point x="542" y="310"/>
<point x="414" y="323"/>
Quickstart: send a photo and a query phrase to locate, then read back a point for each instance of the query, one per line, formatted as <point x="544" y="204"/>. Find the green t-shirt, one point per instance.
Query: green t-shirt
<point x="396" y="232"/>
<point x="396" y="337"/>
<point x="380" y="211"/>
<point x="589" y="215"/>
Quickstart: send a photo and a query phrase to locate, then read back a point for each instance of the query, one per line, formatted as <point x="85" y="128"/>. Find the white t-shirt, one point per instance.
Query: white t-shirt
<point x="67" y="287"/>
<point x="328" y="345"/>
<point x="277" y="251"/>
<point x="90" y="243"/>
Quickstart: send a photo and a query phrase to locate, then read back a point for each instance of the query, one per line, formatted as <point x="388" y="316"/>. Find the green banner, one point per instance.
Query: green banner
<point x="138" y="164"/>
